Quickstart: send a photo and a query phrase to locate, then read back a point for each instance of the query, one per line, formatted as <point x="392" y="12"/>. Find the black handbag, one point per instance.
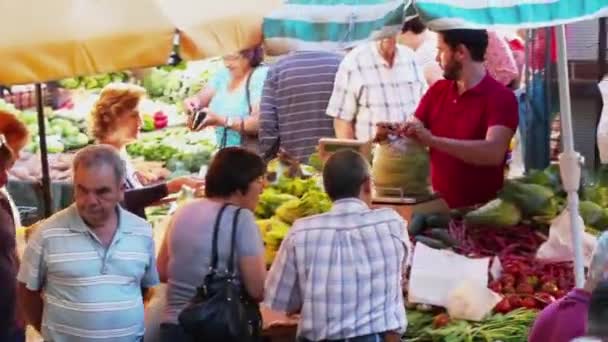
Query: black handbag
<point x="222" y="310"/>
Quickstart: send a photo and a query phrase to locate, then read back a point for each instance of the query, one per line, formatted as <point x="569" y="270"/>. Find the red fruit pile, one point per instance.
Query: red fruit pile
<point x="531" y="284"/>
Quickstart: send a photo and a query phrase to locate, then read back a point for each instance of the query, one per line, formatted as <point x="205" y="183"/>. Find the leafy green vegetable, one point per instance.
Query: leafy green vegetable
<point x="511" y="327"/>
<point x="270" y="200"/>
<point x="70" y="83"/>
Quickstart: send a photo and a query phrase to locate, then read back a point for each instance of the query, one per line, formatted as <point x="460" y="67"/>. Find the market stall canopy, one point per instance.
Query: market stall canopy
<point x="451" y="14"/>
<point x="330" y="24"/>
<point x="48" y="40"/>
<point x="214" y="28"/>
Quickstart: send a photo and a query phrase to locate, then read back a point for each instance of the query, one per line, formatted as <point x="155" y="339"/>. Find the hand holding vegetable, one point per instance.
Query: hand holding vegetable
<point x="176" y="184"/>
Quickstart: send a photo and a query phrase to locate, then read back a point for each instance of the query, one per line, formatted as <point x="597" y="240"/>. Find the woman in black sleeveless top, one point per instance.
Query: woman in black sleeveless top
<point x="13" y="137"/>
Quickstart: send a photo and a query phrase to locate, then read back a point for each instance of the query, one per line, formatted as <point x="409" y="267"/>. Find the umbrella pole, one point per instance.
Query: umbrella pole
<point x="44" y="158"/>
<point x="570" y="161"/>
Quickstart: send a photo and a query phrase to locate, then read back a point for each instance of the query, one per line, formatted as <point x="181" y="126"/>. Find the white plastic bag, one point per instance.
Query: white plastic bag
<point x="599" y="262"/>
<point x="602" y="127"/>
<point x="558" y="247"/>
<point x="435" y="274"/>
<point x="471" y="301"/>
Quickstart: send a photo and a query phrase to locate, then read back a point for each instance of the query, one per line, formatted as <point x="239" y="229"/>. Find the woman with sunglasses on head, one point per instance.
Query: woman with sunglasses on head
<point x="13" y="137"/>
<point x="231" y="99"/>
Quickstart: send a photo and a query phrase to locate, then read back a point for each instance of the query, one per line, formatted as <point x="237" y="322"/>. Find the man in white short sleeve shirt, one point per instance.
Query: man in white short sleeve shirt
<point x="377" y="82"/>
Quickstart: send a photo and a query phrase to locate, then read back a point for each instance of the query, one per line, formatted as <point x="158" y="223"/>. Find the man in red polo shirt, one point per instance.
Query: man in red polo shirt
<point x="467" y="120"/>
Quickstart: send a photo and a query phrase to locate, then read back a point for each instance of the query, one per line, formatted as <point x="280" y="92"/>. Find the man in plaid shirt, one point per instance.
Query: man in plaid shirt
<point x="379" y="81"/>
<point x="343" y="270"/>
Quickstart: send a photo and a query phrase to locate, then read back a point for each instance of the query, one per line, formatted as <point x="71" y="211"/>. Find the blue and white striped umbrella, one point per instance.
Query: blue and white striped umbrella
<point x="330" y="24"/>
<point x="450" y="14"/>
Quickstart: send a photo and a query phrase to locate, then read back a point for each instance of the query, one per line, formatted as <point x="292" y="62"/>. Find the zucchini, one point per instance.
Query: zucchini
<point x="438" y="220"/>
<point x="417" y="224"/>
<point x="433" y="243"/>
<point x="442" y="235"/>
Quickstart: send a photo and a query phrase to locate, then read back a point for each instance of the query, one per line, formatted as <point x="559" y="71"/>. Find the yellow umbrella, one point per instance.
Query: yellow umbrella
<point x="210" y="28"/>
<point x="48" y="40"/>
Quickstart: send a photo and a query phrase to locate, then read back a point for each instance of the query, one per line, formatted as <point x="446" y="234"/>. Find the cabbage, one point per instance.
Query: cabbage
<point x="401" y="164"/>
<point x="154" y="82"/>
<point x="54" y="145"/>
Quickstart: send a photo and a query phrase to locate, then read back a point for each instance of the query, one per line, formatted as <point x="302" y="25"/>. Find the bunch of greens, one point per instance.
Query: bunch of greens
<point x="95" y="82"/>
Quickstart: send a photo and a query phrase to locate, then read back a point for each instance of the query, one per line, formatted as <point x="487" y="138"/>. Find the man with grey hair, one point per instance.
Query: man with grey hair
<point x="343" y="270"/>
<point x="91" y="260"/>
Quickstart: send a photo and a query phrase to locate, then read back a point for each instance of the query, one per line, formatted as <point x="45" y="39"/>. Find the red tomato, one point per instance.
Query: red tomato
<point x="441" y="320"/>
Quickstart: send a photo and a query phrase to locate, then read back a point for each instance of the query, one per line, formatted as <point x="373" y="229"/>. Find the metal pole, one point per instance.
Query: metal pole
<point x="570" y="160"/>
<point x="44" y="160"/>
<point x="602" y="70"/>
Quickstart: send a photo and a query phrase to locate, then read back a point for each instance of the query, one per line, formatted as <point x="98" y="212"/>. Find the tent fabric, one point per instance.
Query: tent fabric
<point x="48" y="40"/>
<point x="214" y="28"/>
<point x="451" y="14"/>
<point x="330" y="24"/>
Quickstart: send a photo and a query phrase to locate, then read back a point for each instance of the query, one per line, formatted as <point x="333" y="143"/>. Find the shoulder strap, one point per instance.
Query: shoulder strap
<point x="248" y="91"/>
<point x="216" y="229"/>
<point x="235" y="225"/>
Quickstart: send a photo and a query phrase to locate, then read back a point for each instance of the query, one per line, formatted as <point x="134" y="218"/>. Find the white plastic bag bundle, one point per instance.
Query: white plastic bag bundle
<point x="558" y="247"/>
<point x="602" y="128"/>
<point x="471" y="301"/>
<point x="599" y="262"/>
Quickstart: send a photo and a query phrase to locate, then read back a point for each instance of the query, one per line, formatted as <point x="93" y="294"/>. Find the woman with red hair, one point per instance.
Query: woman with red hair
<point x="13" y="137"/>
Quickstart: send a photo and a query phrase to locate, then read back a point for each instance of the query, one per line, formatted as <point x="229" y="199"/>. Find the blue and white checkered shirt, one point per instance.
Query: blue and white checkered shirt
<point x="343" y="271"/>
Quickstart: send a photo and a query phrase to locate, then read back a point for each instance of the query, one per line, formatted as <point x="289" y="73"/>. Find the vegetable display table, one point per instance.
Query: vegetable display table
<point x="406" y="210"/>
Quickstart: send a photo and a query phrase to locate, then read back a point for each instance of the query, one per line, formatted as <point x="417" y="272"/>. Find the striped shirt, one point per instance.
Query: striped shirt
<point x="90" y="293"/>
<point x="343" y="271"/>
<point x="294" y="101"/>
<point x="368" y="91"/>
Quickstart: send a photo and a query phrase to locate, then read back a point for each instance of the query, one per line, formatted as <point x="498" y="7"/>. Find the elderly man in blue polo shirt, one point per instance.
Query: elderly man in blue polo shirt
<point x="90" y="261"/>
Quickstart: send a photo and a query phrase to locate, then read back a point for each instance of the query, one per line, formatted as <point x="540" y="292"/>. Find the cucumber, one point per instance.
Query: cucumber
<point x="438" y="220"/>
<point x="442" y="235"/>
<point x="417" y="224"/>
<point x="433" y="243"/>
